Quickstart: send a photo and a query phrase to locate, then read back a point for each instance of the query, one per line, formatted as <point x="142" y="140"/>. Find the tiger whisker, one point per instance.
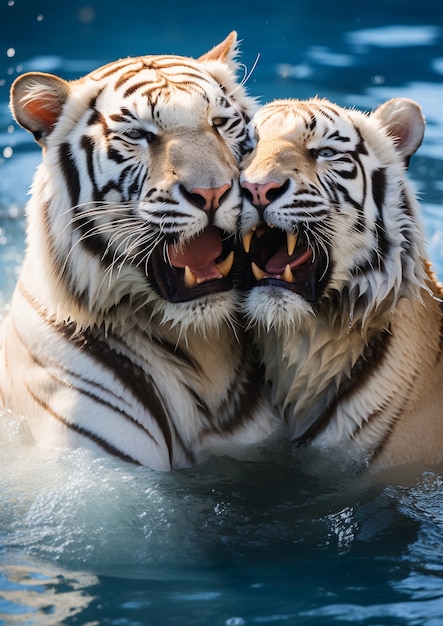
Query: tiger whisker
<point x="96" y="210"/>
<point x="146" y="255"/>
<point x="123" y="236"/>
<point x="97" y="229"/>
<point x="246" y="74"/>
<point x="129" y="247"/>
<point x="108" y="274"/>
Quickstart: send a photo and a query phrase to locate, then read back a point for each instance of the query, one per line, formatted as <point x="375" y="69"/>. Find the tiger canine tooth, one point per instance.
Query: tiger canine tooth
<point x="287" y="274"/>
<point x="225" y="266"/>
<point x="247" y="240"/>
<point x="190" y="279"/>
<point x="258" y="273"/>
<point x="291" y="242"/>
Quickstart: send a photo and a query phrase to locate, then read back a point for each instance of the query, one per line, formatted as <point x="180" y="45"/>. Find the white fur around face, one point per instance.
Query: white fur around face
<point x="346" y="225"/>
<point x="124" y="148"/>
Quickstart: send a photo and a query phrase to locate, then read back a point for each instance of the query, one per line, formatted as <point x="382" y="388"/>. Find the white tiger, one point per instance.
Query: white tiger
<point x="121" y="333"/>
<point x="345" y="310"/>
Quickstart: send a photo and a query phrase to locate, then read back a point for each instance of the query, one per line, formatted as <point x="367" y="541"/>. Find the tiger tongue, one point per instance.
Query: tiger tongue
<point x="199" y="254"/>
<point x="277" y="263"/>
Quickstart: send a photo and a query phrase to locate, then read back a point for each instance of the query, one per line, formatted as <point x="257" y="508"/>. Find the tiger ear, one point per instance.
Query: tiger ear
<point x="36" y="102"/>
<point x="225" y="51"/>
<point x="403" y="119"/>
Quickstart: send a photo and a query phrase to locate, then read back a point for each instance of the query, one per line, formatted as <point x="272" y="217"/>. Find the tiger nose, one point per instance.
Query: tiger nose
<point x="209" y="199"/>
<point x="258" y="193"/>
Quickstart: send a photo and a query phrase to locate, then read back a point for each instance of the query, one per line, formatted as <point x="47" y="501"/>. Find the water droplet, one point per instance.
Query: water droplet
<point x="39" y="18"/>
<point x="86" y="14"/>
<point x="378" y="80"/>
<point x="10" y="52"/>
<point x="7" y="152"/>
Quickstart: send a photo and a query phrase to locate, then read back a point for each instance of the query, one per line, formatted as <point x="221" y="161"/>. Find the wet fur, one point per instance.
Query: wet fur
<point x="361" y="368"/>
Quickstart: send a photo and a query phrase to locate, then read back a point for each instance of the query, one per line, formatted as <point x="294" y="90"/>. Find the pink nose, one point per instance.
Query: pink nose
<point x="259" y="192"/>
<point x="209" y="199"/>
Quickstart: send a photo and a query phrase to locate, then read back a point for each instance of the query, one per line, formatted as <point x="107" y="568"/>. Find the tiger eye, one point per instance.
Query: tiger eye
<point x="219" y="121"/>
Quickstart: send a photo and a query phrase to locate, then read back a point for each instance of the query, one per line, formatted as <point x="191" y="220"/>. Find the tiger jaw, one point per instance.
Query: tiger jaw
<point x="284" y="259"/>
<point x="196" y="268"/>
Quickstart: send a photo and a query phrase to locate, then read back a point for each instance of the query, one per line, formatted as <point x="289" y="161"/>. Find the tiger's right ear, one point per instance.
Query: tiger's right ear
<point x="36" y="102"/>
<point x="225" y="51"/>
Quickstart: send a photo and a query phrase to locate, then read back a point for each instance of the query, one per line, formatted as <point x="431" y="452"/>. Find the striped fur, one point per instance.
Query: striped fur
<point x="122" y="330"/>
<point x="344" y="308"/>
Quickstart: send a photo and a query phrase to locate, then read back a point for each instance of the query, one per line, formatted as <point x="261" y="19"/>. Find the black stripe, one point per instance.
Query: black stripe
<point x="336" y="135"/>
<point x="144" y="83"/>
<point x="378" y="180"/>
<point x="96" y="117"/>
<point x="114" y="67"/>
<point x="123" y="117"/>
<point x="84" y="380"/>
<point x="102" y="443"/>
<point x="94" y="243"/>
<point x="83" y="391"/>
<point x="360" y="223"/>
<point x="139" y="382"/>
<point x="409" y="230"/>
<point x="70" y="172"/>
<point x="313" y="123"/>
<point x="346" y="174"/>
<point x="383" y="244"/>
<point x="244" y="395"/>
<point x="361" y="147"/>
<point x="135" y="379"/>
<point x="389" y="426"/>
<point x="364" y="368"/>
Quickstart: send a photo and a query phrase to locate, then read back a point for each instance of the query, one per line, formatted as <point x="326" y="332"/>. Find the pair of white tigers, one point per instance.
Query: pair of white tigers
<point x="127" y="327"/>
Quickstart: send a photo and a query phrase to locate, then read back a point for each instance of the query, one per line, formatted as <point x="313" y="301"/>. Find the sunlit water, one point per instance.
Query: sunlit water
<point x="229" y="543"/>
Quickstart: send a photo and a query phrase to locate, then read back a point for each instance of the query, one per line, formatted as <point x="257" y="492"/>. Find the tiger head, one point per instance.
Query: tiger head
<point x="329" y="222"/>
<point x="138" y="197"/>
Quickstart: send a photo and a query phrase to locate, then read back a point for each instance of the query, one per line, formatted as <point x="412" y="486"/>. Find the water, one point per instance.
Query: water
<point x="229" y="543"/>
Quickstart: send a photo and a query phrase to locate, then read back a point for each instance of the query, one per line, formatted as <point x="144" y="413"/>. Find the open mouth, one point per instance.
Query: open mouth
<point x="286" y="259"/>
<point x="196" y="268"/>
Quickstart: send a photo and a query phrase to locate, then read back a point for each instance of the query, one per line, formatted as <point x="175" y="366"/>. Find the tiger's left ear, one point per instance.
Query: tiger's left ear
<point x="37" y="101"/>
<point x="225" y="51"/>
<point x="403" y="119"/>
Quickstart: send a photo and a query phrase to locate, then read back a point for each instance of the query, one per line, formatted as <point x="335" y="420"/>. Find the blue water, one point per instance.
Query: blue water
<point x="229" y="543"/>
